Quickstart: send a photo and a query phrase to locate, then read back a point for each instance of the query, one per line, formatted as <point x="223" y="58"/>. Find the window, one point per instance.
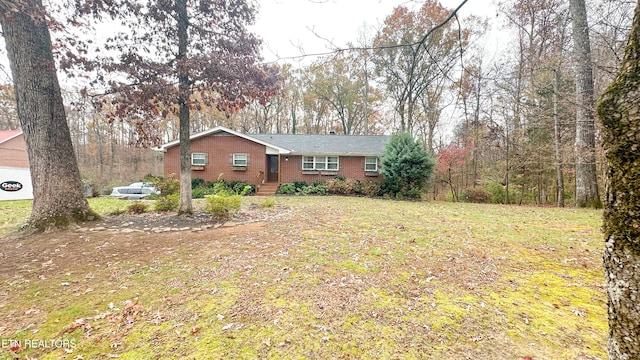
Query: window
<point x="198" y="159"/>
<point x="240" y="160"/>
<point x="320" y="163"/>
<point x="371" y="164"/>
<point x="307" y="163"/>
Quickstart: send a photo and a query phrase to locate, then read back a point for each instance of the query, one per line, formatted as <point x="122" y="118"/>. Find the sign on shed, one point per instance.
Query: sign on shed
<point x="15" y="183"/>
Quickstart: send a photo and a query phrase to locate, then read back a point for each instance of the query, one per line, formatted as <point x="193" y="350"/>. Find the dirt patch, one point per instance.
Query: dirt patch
<point x="124" y="237"/>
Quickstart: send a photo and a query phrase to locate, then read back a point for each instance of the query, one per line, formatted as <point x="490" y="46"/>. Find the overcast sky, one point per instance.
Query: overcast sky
<point x="285" y="24"/>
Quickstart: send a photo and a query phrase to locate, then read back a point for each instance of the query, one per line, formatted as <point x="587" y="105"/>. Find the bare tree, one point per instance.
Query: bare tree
<point x="585" y="146"/>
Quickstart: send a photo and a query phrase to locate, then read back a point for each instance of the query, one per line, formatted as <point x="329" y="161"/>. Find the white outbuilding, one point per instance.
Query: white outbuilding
<point x="15" y="176"/>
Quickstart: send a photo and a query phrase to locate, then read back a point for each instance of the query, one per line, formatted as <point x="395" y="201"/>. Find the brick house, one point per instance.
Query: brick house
<point x="273" y="159"/>
<point x="15" y="175"/>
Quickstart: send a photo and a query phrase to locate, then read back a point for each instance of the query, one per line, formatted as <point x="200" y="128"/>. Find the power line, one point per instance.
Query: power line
<point x="418" y="43"/>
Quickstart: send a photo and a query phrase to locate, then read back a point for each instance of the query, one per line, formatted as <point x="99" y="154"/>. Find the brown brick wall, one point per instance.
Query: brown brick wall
<point x="351" y="167"/>
<point x="13" y="153"/>
<point x="219" y="148"/>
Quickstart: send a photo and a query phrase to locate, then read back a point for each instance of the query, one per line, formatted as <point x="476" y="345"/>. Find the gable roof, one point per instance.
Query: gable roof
<point x="215" y="130"/>
<point x="303" y="144"/>
<point x="6" y="135"/>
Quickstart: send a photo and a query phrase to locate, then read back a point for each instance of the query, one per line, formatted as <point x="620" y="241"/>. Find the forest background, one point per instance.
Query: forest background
<point x="503" y="121"/>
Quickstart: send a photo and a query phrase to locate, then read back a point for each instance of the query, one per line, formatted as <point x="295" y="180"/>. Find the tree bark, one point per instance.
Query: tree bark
<point x="619" y="111"/>
<point x="556" y="142"/>
<point x="57" y="188"/>
<point x="183" y="101"/>
<point x="585" y="145"/>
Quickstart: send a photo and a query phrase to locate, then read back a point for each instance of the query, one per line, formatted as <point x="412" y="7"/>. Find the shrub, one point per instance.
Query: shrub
<point x="370" y="188"/>
<point x="167" y="203"/>
<point x="241" y="187"/>
<point x="336" y="186"/>
<point x="341" y="186"/>
<point x="299" y="185"/>
<point x="406" y="166"/>
<point x="168" y="186"/>
<point x="287" y="188"/>
<point x="312" y="190"/>
<point x="137" y="207"/>
<point x="268" y="203"/>
<point x="200" y="192"/>
<point x="197" y="182"/>
<point x="221" y="188"/>
<point x="223" y="207"/>
<point x="498" y="193"/>
<point x="476" y="195"/>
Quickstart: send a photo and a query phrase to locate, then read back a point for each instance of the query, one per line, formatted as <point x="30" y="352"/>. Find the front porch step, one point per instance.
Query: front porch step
<point x="267" y="189"/>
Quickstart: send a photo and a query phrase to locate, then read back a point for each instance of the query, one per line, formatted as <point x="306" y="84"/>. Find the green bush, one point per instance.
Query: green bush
<point x="200" y="192"/>
<point x="241" y="187"/>
<point x="221" y="188"/>
<point x="167" y="203"/>
<point x="406" y="166"/>
<point x="476" y="195"/>
<point x="312" y="190"/>
<point x="268" y="203"/>
<point x="287" y="188"/>
<point x="223" y="207"/>
<point x="498" y="193"/>
<point x="137" y="207"/>
<point x="299" y="185"/>
<point x="197" y="182"/>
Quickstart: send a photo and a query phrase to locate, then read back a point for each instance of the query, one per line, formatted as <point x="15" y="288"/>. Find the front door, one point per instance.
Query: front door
<point x="272" y="168"/>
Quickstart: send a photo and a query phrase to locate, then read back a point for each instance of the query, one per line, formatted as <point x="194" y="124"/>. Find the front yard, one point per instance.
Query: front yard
<point x="316" y="278"/>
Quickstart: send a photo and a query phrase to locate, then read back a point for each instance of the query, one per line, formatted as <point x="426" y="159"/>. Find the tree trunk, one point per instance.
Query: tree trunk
<point x="183" y="101"/>
<point x="585" y="145"/>
<point x="619" y="111"/>
<point x="57" y="188"/>
<point x="557" y="143"/>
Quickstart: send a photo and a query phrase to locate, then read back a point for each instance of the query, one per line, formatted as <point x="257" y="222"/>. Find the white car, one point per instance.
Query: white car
<point x="135" y="191"/>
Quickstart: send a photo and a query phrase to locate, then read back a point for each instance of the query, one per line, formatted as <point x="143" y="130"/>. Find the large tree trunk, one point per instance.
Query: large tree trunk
<point x="183" y="101"/>
<point x="57" y="188"/>
<point x="619" y="110"/>
<point x="585" y="146"/>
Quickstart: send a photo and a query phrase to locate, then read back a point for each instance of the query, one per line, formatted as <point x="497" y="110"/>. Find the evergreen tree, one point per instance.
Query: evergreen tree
<point x="406" y="166"/>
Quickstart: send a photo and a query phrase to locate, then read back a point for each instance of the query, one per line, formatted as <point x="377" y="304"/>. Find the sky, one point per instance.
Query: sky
<point x="288" y="25"/>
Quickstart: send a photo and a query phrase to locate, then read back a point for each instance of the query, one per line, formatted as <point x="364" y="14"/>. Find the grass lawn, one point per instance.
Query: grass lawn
<point x="323" y="278"/>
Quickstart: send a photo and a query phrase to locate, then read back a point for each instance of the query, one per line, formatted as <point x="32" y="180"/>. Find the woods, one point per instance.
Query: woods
<point x="520" y="113"/>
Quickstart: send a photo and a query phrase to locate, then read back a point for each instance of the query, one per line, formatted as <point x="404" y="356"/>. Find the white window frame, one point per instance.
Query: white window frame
<point x="367" y="162"/>
<point x="199" y="159"/>
<point x="240" y="160"/>
<point x="328" y="163"/>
